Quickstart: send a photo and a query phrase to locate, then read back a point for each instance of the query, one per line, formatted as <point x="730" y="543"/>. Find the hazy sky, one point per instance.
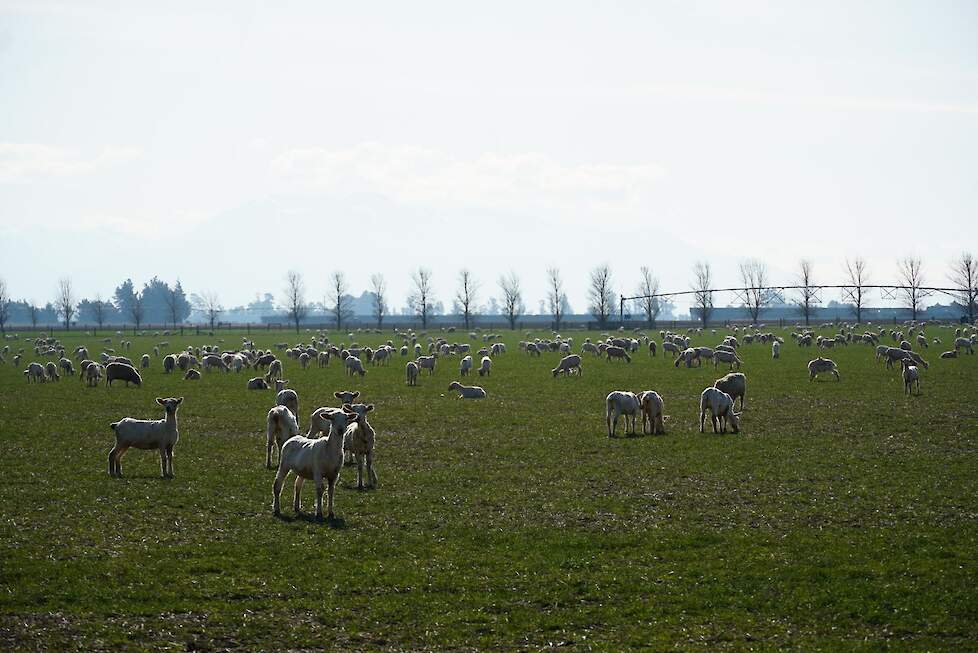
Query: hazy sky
<point x="227" y="144"/>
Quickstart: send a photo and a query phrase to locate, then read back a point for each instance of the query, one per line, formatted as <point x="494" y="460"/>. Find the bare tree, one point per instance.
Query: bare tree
<point x="648" y="287"/>
<point x="964" y="273"/>
<point x="757" y="296"/>
<point x="808" y="297"/>
<point x="702" y="287"/>
<point x="342" y="308"/>
<point x="4" y="306"/>
<point x="911" y="276"/>
<point x="555" y="295"/>
<point x="34" y="311"/>
<point x="295" y="298"/>
<point x="379" y="288"/>
<point x="858" y="278"/>
<point x="420" y="298"/>
<point x="600" y="295"/>
<point x="212" y="306"/>
<point x="137" y="309"/>
<point x="513" y="305"/>
<point x="98" y="310"/>
<point x="468" y="289"/>
<point x="66" y="301"/>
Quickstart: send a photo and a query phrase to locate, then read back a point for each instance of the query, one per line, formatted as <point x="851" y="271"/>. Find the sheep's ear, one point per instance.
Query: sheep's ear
<point x="370" y="407"/>
<point x="159" y="401"/>
<point x="356" y="394"/>
<point x="337" y="395"/>
<point x="179" y="401"/>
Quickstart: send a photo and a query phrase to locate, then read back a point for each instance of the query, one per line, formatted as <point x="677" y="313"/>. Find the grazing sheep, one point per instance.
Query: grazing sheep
<point x="66" y="366"/>
<point x="147" y="434"/>
<point x="687" y="356"/>
<point x="35" y="373"/>
<point x="652" y="412"/>
<point x="621" y="403"/>
<point x="411" y="372"/>
<point x="821" y="365"/>
<point x="122" y="372"/>
<point x="51" y="370"/>
<point x="316" y="459"/>
<point x="467" y="391"/>
<point x="775" y="349"/>
<point x="652" y="348"/>
<point x="465" y="365"/>
<point x="964" y="343"/>
<point x="950" y="354"/>
<point x="671" y="347"/>
<point x="427" y="363"/>
<point x="922" y="341"/>
<point x="911" y="376"/>
<point x="257" y="383"/>
<point x="485" y="366"/>
<point x="359" y="439"/>
<point x="567" y="365"/>
<point x="264" y="360"/>
<point x="735" y="385"/>
<point x="287" y="397"/>
<point x="92" y="374"/>
<point x="144" y="361"/>
<point x="532" y="349"/>
<point x="721" y="408"/>
<point x="169" y="363"/>
<point x="354" y="366"/>
<point x="274" y="371"/>
<point x="323" y="359"/>
<point x="212" y="360"/>
<point x="720" y="356"/>
<point x="191" y="375"/>
<point x="618" y="352"/>
<point x="281" y="424"/>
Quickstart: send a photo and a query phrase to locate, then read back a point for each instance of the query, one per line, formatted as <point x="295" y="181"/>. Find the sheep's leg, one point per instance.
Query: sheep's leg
<point x="277" y="489"/>
<point x="169" y="459"/>
<point x="330" y="488"/>
<point x="112" y="460"/>
<point x="268" y="454"/>
<point x="702" y="418"/>
<point x="371" y="474"/>
<point x="359" y="457"/>
<point x="296" y="492"/>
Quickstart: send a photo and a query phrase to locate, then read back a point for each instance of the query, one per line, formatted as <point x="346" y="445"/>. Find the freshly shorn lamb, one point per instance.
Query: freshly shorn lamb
<point x="621" y="403"/>
<point x="159" y="434"/>
<point x="720" y="405"/>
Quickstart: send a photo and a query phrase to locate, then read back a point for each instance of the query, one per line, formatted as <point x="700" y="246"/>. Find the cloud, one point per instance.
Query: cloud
<point x="26" y="162"/>
<point x="422" y="176"/>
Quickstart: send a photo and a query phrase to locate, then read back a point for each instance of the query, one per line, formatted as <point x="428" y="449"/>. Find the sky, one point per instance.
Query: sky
<point x="224" y="144"/>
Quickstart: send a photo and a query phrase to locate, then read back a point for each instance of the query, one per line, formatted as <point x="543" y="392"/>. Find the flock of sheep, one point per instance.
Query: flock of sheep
<point x="343" y="434"/>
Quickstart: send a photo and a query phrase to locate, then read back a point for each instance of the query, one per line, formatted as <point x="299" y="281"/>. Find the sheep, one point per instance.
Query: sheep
<point x="359" y="439"/>
<point x="144" y="361"/>
<point x="274" y="371"/>
<point x="287" y="397"/>
<point x="35" y="373"/>
<point x="652" y="412"/>
<point x="313" y="459"/>
<point x="347" y="396"/>
<point x="212" y="360"/>
<point x="93" y="374"/>
<point x="122" y="372"/>
<point x="590" y="348"/>
<point x="720" y="356"/>
<point x="720" y="405"/>
<point x="465" y="365"/>
<point x="618" y="352"/>
<point x="51" y="370"/>
<point x="257" y="383"/>
<point x="485" y="366"/>
<point x="567" y="365"/>
<point x="169" y="363"/>
<point x="264" y="360"/>
<point x="911" y="376"/>
<point x="922" y="341"/>
<point x="354" y="366"/>
<point x="191" y="375"/>
<point x="497" y="348"/>
<point x="652" y="348"/>
<point x="775" y="349"/>
<point x="735" y="385"/>
<point x="427" y="363"/>
<point x="670" y="347"/>
<point x="950" y="354"/>
<point x="66" y="366"/>
<point x="532" y="349"/>
<point x="964" y="343"/>
<point x="621" y="403"/>
<point x="304" y="359"/>
<point x="281" y="424"/>
<point x="467" y="391"/>
<point x="411" y="372"/>
<point x="687" y="356"/>
<point x="821" y="365"/>
<point x="147" y="434"/>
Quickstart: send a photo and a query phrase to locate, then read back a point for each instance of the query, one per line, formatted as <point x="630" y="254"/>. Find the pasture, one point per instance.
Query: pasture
<point x="843" y="516"/>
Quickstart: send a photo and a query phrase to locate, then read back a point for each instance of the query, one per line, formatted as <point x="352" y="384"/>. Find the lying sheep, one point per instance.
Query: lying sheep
<point x="122" y="372"/>
<point x="467" y="391"/>
<point x="653" y="419"/>
<point x="621" y="403"/>
<point x="287" y="397"/>
<point x="720" y="405"/>
<point x="618" y="352"/>
<point x="147" y="434"/>
<point x="191" y="375"/>
<point x="316" y="459"/>
<point x="911" y="376"/>
<point x="281" y="424"/>
<point x="950" y="354"/>
<point x="567" y="365"/>
<point x="735" y="385"/>
<point x="821" y="365"/>
<point x="257" y="383"/>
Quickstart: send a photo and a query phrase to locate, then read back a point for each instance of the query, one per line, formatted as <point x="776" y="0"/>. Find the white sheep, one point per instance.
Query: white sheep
<point x="427" y="363"/>
<point x="653" y="419"/>
<point x="287" y="397"/>
<point x="92" y="374"/>
<point x="144" y="361"/>
<point x="735" y="385"/>
<point x="281" y="425"/>
<point x="567" y="365"/>
<point x="465" y="365"/>
<point x="354" y="366"/>
<point x="159" y="434"/>
<point x="35" y="373"/>
<point x="720" y="356"/>
<point x="485" y="366"/>
<point x="911" y="376"/>
<point x="964" y="343"/>
<point x="821" y="365"/>
<point x="467" y="391"/>
<point x="720" y="405"/>
<point x="315" y="459"/>
<point x="51" y="370"/>
<point x="775" y="349"/>
<point x="950" y="354"/>
<point x="621" y="403"/>
<point x="411" y="371"/>
<point x="359" y="439"/>
<point x="347" y="396"/>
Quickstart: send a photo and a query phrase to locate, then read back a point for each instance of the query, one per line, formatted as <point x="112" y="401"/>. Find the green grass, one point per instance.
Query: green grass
<point x="844" y="516"/>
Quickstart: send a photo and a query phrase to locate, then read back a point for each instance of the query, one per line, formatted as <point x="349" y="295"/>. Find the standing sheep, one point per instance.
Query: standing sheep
<point x="775" y="349"/>
<point x="653" y="419"/>
<point x="359" y="439"/>
<point x="281" y="424"/>
<point x="567" y="365"/>
<point x="465" y="365"/>
<point x="720" y="405"/>
<point x="911" y="376"/>
<point x="147" y="434"/>
<point x="485" y="366"/>
<point x="122" y="372"/>
<point x="735" y="385"/>
<point x="287" y="397"/>
<point x="821" y="365"/>
<point x="621" y="403"/>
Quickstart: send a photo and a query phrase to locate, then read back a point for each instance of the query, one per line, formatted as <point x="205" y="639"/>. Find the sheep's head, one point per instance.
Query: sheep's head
<point x="734" y="419"/>
<point x="170" y="404"/>
<point x="454" y="385"/>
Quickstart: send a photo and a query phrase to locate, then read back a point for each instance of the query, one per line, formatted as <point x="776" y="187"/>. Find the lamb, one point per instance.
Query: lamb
<point x="411" y="371"/>
<point x="687" y="356"/>
<point x="532" y="349"/>
<point x="821" y="365"/>
<point x="66" y="366"/>
<point x="618" y="352"/>
<point x="467" y="391"/>
<point x="922" y="341"/>
<point x="775" y="349"/>
<point x="257" y="383"/>
<point x="567" y="365"/>
<point x="590" y="348"/>
<point x="735" y="385"/>
<point x="51" y="370"/>
<point x="465" y="365"/>
<point x="621" y="403"/>
<point x="92" y="374"/>
<point x="212" y="360"/>
<point x="720" y="356"/>
<point x="122" y="372"/>
<point x="147" y="434"/>
<point x="950" y="354"/>
<point x="274" y="371"/>
<point x="964" y="343"/>
<point x="721" y="407"/>
<point x="191" y="375"/>
<point x="144" y="361"/>
<point x="35" y="373"/>
<point x="169" y="363"/>
<point x="652" y="348"/>
<point x="281" y="424"/>
<point x="287" y="397"/>
<point x="354" y="366"/>
<point x="652" y="412"/>
<point x="671" y="348"/>
<point x="485" y="366"/>
<point x="911" y="376"/>
<point x="347" y="396"/>
<point x="313" y="459"/>
<point x="427" y="363"/>
<point x="359" y="439"/>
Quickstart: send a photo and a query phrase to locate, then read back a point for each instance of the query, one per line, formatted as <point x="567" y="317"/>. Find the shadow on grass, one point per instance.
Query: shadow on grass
<point x="331" y="522"/>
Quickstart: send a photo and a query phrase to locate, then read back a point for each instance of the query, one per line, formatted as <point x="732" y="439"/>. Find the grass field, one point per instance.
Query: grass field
<point x="843" y="516"/>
